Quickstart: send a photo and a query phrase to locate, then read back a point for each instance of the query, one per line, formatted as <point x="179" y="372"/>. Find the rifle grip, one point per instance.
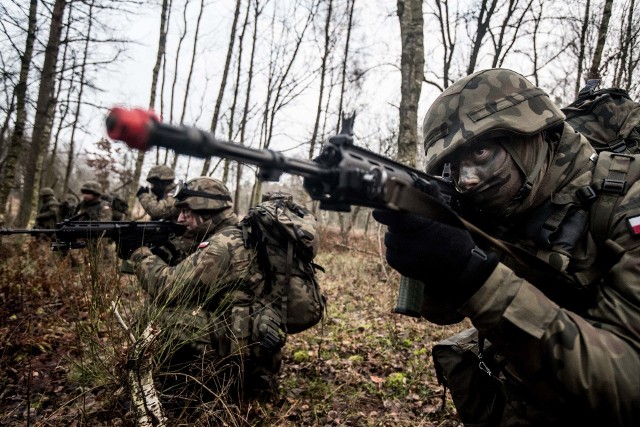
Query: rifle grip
<point x="410" y="296"/>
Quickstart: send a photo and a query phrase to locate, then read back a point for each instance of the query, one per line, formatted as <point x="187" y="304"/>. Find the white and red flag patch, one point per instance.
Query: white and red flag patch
<point x="203" y="245"/>
<point x="634" y="225"/>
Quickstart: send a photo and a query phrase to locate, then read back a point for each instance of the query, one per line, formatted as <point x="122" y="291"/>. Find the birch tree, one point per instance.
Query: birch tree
<point x="20" y="93"/>
<point x="44" y="110"/>
<point x="412" y="71"/>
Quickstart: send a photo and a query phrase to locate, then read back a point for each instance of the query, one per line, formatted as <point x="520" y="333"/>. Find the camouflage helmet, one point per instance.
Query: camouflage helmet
<point x="91" y="187"/>
<point x="162" y="173"/>
<point x="488" y="103"/>
<point x="203" y="194"/>
<point x="46" y="191"/>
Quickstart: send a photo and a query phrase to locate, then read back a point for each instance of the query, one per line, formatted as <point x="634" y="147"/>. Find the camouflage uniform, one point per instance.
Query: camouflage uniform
<point x="207" y="300"/>
<point x="569" y="354"/>
<point x="95" y="210"/>
<point x="68" y="206"/>
<point x="49" y="211"/>
<point x="160" y="206"/>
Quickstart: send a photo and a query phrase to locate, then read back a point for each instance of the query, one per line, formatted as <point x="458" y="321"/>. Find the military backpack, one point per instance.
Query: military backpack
<point x="610" y="120"/>
<point x="284" y="234"/>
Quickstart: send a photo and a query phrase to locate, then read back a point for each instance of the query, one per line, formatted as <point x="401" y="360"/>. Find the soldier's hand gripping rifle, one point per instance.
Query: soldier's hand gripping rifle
<point x="341" y="176"/>
<point x="128" y="235"/>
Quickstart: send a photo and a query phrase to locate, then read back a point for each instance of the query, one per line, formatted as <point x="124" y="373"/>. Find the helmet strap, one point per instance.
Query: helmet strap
<point x="527" y="184"/>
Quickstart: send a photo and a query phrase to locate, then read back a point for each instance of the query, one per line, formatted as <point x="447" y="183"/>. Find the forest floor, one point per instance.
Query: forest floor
<point x="62" y="353"/>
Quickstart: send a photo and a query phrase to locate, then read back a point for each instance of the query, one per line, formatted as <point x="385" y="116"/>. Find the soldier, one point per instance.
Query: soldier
<point x="92" y="207"/>
<point x="567" y="338"/>
<point x="68" y="206"/>
<point x="49" y="210"/>
<point x="158" y="202"/>
<point x="206" y="300"/>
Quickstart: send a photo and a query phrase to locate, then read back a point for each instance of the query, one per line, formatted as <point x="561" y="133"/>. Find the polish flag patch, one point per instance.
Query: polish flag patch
<point x="205" y="244"/>
<point x="634" y="225"/>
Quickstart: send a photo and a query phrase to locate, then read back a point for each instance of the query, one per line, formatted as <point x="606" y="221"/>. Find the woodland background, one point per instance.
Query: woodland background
<point x="267" y="74"/>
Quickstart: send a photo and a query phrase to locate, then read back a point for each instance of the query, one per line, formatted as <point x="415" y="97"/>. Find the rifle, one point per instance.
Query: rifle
<point x="344" y="175"/>
<point x="75" y="234"/>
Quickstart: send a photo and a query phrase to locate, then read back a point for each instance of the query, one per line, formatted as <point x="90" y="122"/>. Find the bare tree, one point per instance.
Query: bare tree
<point x="582" y="45"/>
<point x="594" y="71"/>
<point x="447" y="32"/>
<point x="223" y="84"/>
<point x="482" y="22"/>
<point x="323" y="73"/>
<point x="44" y="111"/>
<point x="236" y="89"/>
<point x="17" y="138"/>
<point x="81" y="87"/>
<point x="282" y="88"/>
<point x="196" y="36"/>
<point x="257" y="11"/>
<point x="508" y="31"/>
<point x="345" y="58"/>
<point x="162" y="43"/>
<point x="628" y="53"/>
<point x="412" y="71"/>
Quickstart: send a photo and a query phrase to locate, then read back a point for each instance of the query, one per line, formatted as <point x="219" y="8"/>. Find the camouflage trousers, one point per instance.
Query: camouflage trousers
<point x="218" y="352"/>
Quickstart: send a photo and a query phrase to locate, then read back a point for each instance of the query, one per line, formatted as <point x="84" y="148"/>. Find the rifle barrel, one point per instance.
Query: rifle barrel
<point x="142" y="129"/>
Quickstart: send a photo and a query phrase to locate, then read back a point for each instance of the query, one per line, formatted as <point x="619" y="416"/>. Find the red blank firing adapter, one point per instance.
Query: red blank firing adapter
<point x="131" y="126"/>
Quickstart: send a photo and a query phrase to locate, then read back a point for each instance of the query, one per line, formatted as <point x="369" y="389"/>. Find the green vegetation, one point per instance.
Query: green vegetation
<point x="65" y="351"/>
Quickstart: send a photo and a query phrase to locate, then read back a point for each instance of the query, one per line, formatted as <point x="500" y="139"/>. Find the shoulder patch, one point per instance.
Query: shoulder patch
<point x="634" y="225"/>
<point x="203" y="245"/>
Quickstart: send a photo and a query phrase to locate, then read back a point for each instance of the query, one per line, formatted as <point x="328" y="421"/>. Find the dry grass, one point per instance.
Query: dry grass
<point x="363" y="366"/>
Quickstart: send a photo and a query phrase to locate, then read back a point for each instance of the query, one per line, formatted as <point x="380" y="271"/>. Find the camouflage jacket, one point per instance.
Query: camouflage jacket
<point x="578" y="365"/>
<point x="198" y="294"/>
<point x="96" y="210"/>
<point x="49" y="213"/>
<point x="160" y="207"/>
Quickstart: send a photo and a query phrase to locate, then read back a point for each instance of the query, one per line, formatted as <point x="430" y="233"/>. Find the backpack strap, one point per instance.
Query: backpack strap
<point x="611" y="178"/>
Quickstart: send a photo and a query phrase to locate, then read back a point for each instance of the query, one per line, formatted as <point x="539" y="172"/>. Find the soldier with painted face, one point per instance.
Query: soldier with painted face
<point x="49" y="209"/>
<point x="158" y="201"/>
<point x="92" y="207"/>
<point x="567" y="340"/>
<point x="207" y="301"/>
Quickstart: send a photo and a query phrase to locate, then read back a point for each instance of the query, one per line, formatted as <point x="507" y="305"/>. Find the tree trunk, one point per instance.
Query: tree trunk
<point x="483" y="24"/>
<point x="323" y="74"/>
<point x="594" y="71"/>
<point x="236" y="89"/>
<point x="412" y="71"/>
<point x="17" y="144"/>
<point x="81" y="84"/>
<point x="190" y="76"/>
<point x="44" y="107"/>
<point x="162" y="44"/>
<point x="245" y="112"/>
<point x="582" y="47"/>
<point x="223" y="84"/>
<point x="345" y="60"/>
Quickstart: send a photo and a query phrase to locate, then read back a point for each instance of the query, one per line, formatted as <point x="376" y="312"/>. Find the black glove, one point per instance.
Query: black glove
<point x="158" y="191"/>
<point x="142" y="190"/>
<point x="444" y="257"/>
<point x="125" y="246"/>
